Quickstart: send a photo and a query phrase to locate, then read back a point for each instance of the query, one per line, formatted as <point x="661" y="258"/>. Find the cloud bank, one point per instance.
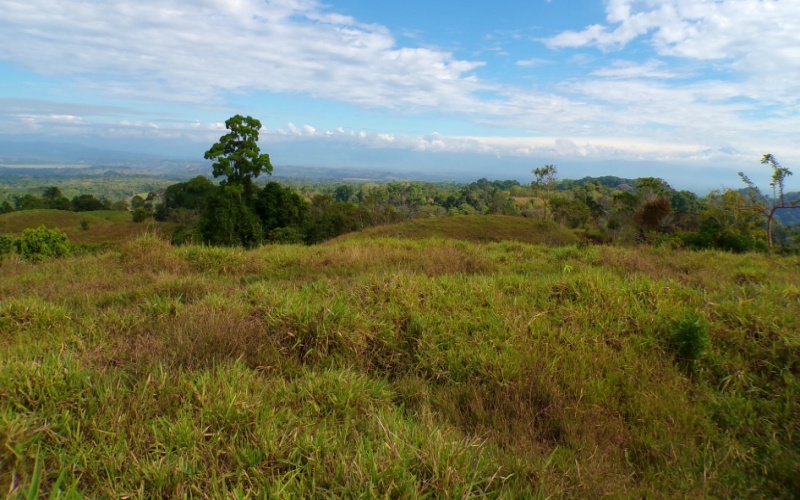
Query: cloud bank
<point x="718" y="77"/>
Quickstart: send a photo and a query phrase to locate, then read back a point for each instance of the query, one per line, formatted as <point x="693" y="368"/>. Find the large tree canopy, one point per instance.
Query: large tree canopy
<point x="237" y="155"/>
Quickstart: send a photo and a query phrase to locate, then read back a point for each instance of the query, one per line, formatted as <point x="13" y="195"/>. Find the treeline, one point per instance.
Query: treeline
<point x="52" y="198"/>
<point x="645" y="210"/>
<point x="232" y="215"/>
<point x="237" y="211"/>
<point x="605" y="209"/>
<point x="601" y="210"/>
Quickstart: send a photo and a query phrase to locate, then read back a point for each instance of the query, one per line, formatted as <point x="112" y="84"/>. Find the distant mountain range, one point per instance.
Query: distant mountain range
<point x="40" y="152"/>
<point x="48" y="159"/>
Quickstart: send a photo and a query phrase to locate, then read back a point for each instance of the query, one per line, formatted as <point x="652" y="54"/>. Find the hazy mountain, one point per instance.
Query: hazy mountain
<point x="42" y="152"/>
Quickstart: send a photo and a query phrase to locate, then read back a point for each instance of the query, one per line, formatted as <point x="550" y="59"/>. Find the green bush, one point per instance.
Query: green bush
<point x="185" y="235"/>
<point x="40" y="243"/>
<point x="6" y="244"/>
<point x="689" y="338"/>
<point x="140" y="214"/>
<point x="713" y="235"/>
<point x="288" y="235"/>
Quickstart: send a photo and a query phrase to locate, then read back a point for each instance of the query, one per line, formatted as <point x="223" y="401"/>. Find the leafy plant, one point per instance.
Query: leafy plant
<point x="40" y="243"/>
<point x="6" y="244"/>
<point x="689" y="339"/>
<point x="139" y="214"/>
<point x="286" y="235"/>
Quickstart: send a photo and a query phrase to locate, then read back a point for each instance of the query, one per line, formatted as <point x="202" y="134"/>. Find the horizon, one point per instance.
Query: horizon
<point x="690" y="91"/>
<point x="80" y="156"/>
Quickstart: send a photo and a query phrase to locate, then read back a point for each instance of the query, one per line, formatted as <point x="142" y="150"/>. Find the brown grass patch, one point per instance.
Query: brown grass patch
<point x="192" y="340"/>
<point x="104" y="227"/>
<point x="151" y="254"/>
<point x="476" y="228"/>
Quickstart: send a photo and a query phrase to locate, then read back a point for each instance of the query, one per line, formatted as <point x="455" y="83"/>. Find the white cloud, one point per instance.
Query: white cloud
<point x="759" y="39"/>
<point x="196" y="51"/>
<point x="65" y="119"/>
<point x="723" y="76"/>
<point x="532" y="62"/>
<point x="674" y="103"/>
<point x="630" y="69"/>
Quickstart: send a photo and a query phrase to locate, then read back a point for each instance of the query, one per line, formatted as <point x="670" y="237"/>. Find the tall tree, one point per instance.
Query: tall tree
<point x="544" y="182"/>
<point x="51" y="193"/>
<point x="763" y="204"/>
<point x="237" y="155"/>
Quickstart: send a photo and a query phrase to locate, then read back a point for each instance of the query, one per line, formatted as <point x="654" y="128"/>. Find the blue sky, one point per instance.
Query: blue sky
<point x="689" y="90"/>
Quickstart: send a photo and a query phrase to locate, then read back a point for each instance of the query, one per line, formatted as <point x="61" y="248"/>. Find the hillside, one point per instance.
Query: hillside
<point x="104" y="226"/>
<point x="475" y="228"/>
<point x="394" y="367"/>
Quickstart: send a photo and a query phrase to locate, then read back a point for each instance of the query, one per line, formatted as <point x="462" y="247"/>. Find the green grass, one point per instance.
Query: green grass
<point x="391" y="367"/>
<point x="104" y="226"/>
<point x="476" y="228"/>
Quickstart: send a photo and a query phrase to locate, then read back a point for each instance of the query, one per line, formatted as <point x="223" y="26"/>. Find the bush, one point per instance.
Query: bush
<point x="161" y="212"/>
<point x="689" y="338"/>
<point x="713" y="235"/>
<point x="185" y="235"/>
<point x="140" y="214"/>
<point x="287" y="235"/>
<point x="653" y="214"/>
<point x="87" y="203"/>
<point x="40" y="243"/>
<point x="6" y="244"/>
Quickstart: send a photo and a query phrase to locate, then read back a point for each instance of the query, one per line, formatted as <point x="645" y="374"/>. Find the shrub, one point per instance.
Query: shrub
<point x="87" y="203"/>
<point x="6" y="244"/>
<point x="140" y="214"/>
<point x="713" y="235"/>
<point x="689" y="337"/>
<point x="653" y="214"/>
<point x="289" y="235"/>
<point x="161" y="212"/>
<point x="185" y="235"/>
<point x="40" y="243"/>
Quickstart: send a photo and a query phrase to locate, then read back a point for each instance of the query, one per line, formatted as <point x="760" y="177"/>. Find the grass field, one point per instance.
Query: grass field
<point x="397" y="367"/>
<point x="478" y="229"/>
<point x="104" y="226"/>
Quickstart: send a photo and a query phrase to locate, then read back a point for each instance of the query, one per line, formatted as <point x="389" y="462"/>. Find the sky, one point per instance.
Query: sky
<point x="692" y="91"/>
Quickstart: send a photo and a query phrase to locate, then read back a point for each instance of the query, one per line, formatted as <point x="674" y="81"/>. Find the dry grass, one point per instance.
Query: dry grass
<point x="104" y="227"/>
<point x="476" y="228"/>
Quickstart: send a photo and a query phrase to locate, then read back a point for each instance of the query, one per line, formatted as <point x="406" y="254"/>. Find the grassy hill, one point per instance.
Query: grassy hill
<point x="104" y="226"/>
<point x="475" y="228"/>
<point x="400" y="368"/>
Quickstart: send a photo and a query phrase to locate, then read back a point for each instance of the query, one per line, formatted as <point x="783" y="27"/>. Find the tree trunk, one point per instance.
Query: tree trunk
<point x="771" y="216"/>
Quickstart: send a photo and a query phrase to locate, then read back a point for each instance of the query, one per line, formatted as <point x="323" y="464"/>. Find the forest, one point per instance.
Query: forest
<point x="604" y="209"/>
